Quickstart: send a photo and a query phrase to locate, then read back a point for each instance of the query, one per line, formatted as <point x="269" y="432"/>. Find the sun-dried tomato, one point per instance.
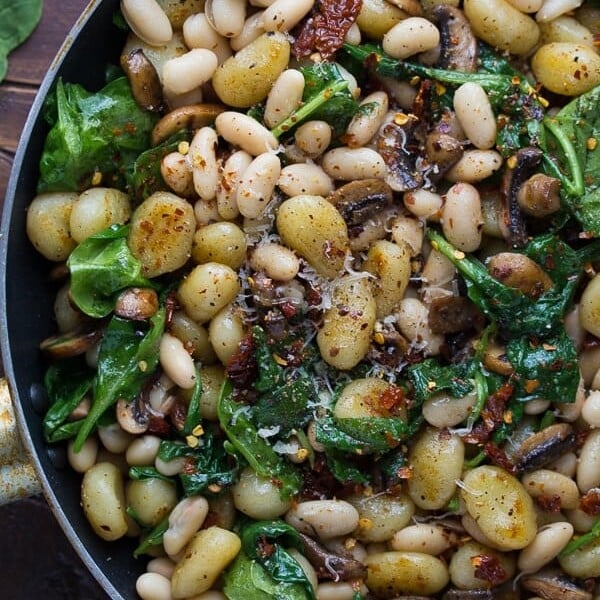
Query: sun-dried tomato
<point x="326" y="27"/>
<point x="498" y="457"/>
<point x="551" y="504"/>
<point x="590" y="502"/>
<point x="242" y="369"/>
<point x="489" y="569"/>
<point x="391" y="399"/>
<point x="159" y="426"/>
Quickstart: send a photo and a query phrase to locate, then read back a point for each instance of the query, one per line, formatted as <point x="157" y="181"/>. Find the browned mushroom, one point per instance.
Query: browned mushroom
<point x="133" y="415"/>
<point x="358" y="200"/>
<point x="192" y="116"/>
<point x="539" y="196"/>
<point x="453" y="314"/>
<point x="443" y="151"/>
<point x="553" y="584"/>
<point x="144" y="80"/>
<point x="544" y="447"/>
<point x="73" y="343"/>
<point x="458" y="45"/>
<point x="137" y="304"/>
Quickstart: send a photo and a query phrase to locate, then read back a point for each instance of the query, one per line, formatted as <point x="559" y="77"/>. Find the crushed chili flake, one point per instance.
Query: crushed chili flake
<point x="590" y="502"/>
<point x="551" y="504"/>
<point x="488" y="568"/>
<point x="499" y="457"/>
<point x="325" y="27"/>
<point x="391" y="399"/>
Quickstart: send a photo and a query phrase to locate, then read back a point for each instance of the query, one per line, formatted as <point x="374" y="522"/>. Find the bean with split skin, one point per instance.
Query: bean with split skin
<point x="230" y="176"/>
<point x="184" y="521"/>
<point x="257" y="184"/>
<point x="226" y="16"/>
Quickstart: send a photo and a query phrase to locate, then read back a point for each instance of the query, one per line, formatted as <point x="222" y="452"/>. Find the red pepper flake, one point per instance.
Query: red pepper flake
<point x="326" y="27"/>
<point x="590" y="502"/>
<point x="391" y="399"/>
<point x="549" y="504"/>
<point x="265" y="548"/>
<point x="488" y="568"/>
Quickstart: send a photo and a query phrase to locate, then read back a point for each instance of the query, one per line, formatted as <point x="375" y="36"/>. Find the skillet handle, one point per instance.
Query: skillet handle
<point x="17" y="477"/>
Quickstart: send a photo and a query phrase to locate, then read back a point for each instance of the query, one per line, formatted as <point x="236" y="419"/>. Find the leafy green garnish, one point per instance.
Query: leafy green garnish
<point x="140" y="473"/>
<point x="17" y="22"/>
<point x="193" y="416"/>
<point x="128" y="356"/>
<point x="153" y="538"/>
<point x="102" y="132"/>
<point x="583" y="540"/>
<point x="430" y="377"/>
<point x="101" y="266"/>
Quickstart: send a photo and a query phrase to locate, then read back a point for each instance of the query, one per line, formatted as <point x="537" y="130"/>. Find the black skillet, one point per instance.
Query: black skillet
<point x="26" y="298"/>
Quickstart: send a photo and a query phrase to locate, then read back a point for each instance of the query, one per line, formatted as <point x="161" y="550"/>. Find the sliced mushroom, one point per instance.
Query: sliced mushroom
<point x="519" y="272"/>
<point x="193" y="116"/>
<point x="442" y="150"/>
<point x="495" y="360"/>
<point x="144" y="80"/>
<point x="553" y="584"/>
<point x="329" y="565"/>
<point x="358" y="200"/>
<point x="506" y="591"/>
<point x="544" y="447"/>
<point x="73" y="343"/>
<point x="137" y="304"/>
<point x="453" y="314"/>
<point x="133" y="415"/>
<point x="524" y="161"/>
<point x="539" y="196"/>
<point x="457" y="42"/>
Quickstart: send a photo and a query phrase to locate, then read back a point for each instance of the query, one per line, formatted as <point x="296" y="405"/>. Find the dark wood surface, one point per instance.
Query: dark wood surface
<point x="37" y="561"/>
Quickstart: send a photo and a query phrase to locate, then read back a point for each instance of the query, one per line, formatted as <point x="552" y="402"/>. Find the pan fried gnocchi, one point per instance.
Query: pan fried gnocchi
<point x="328" y="323"/>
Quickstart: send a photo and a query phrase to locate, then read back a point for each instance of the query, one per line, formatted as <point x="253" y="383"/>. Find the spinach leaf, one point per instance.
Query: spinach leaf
<point x="583" y="540"/>
<point x="91" y="133"/>
<point x="152" y="538"/>
<point x="128" y="356"/>
<point x="429" y="377"/>
<point x="264" y="542"/>
<point x="17" y="22"/>
<point x="244" y="438"/>
<point x="193" y="417"/>
<point x="326" y="97"/>
<point x="140" y="473"/>
<point x="573" y="155"/>
<point x="247" y="579"/>
<point x="66" y="384"/>
<point x="344" y="469"/>
<point x="269" y="372"/>
<point x="101" y="266"/>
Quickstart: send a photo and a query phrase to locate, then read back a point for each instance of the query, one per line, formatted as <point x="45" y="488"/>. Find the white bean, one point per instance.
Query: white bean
<point x="113" y="438"/>
<point x="171" y="467"/>
<point x="551" y="9"/>
<point x="353" y="35"/>
<point x="413" y="323"/>
<point x="475" y="114"/>
<point x="225" y="331"/>
<point x="226" y="16"/>
<point x="411" y="36"/>
<point x="565" y="465"/>
<point x="177" y="173"/>
<point x="257" y="184"/>
<point x="324" y="518"/>
<point x="86" y="457"/>
<point x="463" y="569"/>
<point x="198" y="33"/>
<point x="423" y="537"/>
<point x="177" y="362"/>
<point x="184" y="521"/>
<point x="285" y="97"/>
<point x="527" y="6"/>
<point x="143" y="450"/>
<point x="342" y="590"/>
<point x="245" y="132"/>
<point x="348" y="164"/>
<point x="251" y="30"/>
<point x="305" y="178"/>
<point x="284" y="15"/>
<point x="203" y="161"/>
<point x="474" y="165"/>
<point x="546" y="545"/>
<point x="462" y="218"/>
<point x="229" y="181"/>
<point x="153" y="586"/>
<point x="162" y="565"/>
<point x="590" y="411"/>
<point x="366" y="122"/>
<point x="544" y="482"/>
<point x="189" y="71"/>
<point x="442" y="410"/>
<point x="423" y="204"/>
<point x="313" y="137"/>
<point x="409" y="232"/>
<point x="278" y="262"/>
<point x="588" y="469"/>
<point x="147" y="20"/>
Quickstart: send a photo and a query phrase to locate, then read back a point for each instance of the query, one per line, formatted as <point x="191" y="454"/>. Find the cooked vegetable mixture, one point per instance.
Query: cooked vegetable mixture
<point x="329" y="319"/>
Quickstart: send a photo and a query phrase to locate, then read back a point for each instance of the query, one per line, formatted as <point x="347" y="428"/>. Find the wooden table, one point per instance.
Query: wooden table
<point x="37" y="561"/>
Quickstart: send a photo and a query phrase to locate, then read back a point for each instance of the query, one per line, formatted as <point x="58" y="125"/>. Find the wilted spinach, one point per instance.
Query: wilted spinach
<point x="152" y="538"/>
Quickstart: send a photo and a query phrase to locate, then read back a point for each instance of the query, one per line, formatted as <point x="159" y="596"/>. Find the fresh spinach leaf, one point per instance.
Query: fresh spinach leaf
<point x="269" y="372"/>
<point x="101" y="266"/>
<point x="326" y="97"/>
<point x="244" y="437"/>
<point x="344" y="469"/>
<point x="430" y="377"/>
<point x="583" y="540"/>
<point x="153" y="538"/>
<point x="193" y="418"/>
<point x="92" y="133"/>
<point x="140" y="473"/>
<point x="128" y="356"/>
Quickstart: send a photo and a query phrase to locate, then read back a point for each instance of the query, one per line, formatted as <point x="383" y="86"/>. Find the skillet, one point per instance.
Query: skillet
<point x="26" y="297"/>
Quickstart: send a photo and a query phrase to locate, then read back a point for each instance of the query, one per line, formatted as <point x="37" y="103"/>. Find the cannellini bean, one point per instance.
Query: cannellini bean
<point x="207" y="289"/>
<point x="147" y="20"/>
<point x="315" y="230"/>
<point x="391" y="574"/>
<point x="305" y="178"/>
<point x="283" y="15"/>
<point x="86" y="457"/>
<point x="501" y="506"/>
<point x="198" y="33"/>
<point x="588" y="469"/>
<point x="426" y="538"/>
<point x="462" y="219"/>
<point x="247" y="77"/>
<point x="203" y="161"/>
<point x="257" y="184"/>
<point x="207" y="555"/>
<point x="423" y="204"/>
<point x="177" y="362"/>
<point x="474" y="165"/>
<point x="552" y="9"/>
<point x="225" y="331"/>
<point x="223" y="242"/>
<point x="348" y="325"/>
<point x="285" y="97"/>
<point x="589" y="307"/>
<point x="143" y="450"/>
<point x="194" y="337"/>
<point x="258" y="497"/>
<point x="501" y="25"/>
<point x="590" y="412"/>
<point x="365" y="124"/>
<point x="245" y="132"/>
<point x="313" y="137"/>
<point x="171" y="467"/>
<point x="566" y="464"/>
<point x="226" y="16"/>
<point x="413" y="323"/>
<point x="527" y="6"/>
<point x="348" y="164"/>
<point x="113" y="438"/>
<point x="548" y="542"/>
<point x="566" y="68"/>
<point x="231" y="174"/>
<point x="189" y="71"/>
<point x="342" y="590"/>
<point x="206" y="212"/>
<point x="152" y="499"/>
<point x="407" y="231"/>
<point x="463" y="565"/>
<point x="324" y="518"/>
<point x="177" y="173"/>
<point x="475" y="114"/>
<point x="544" y="482"/>
<point x="251" y="30"/>
<point x="162" y="565"/>
<point x="353" y="35"/>
<point x="584" y="562"/>
<point x="436" y="460"/>
<point x="184" y="521"/>
<point x="277" y="261"/>
<point x="442" y="410"/>
<point x="103" y="501"/>
<point x="153" y="586"/>
<point x="411" y="36"/>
